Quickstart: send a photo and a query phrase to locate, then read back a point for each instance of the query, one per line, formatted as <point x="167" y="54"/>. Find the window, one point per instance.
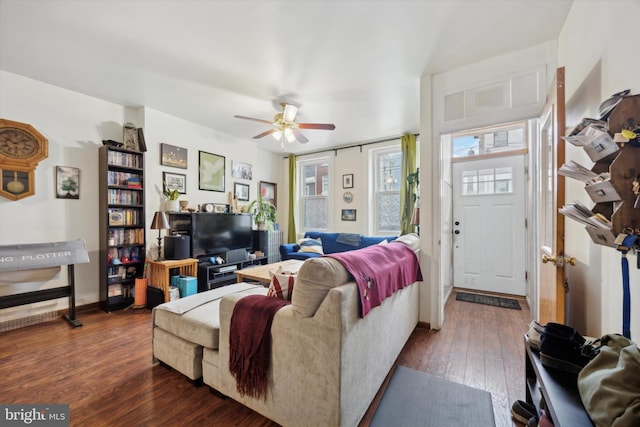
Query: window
<point x="487" y="181"/>
<point x="387" y="181"/>
<point x="490" y="140"/>
<point x="314" y="194"/>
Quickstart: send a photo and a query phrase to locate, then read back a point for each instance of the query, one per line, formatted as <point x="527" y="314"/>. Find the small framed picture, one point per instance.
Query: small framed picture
<point x="241" y="191"/>
<point x="347" y="180"/>
<point x="268" y="190"/>
<point x="220" y="208"/>
<point x="130" y="136"/>
<point x="175" y="181"/>
<point x="348" y="214"/>
<point x="170" y="155"/>
<point x="241" y="170"/>
<point x="67" y="182"/>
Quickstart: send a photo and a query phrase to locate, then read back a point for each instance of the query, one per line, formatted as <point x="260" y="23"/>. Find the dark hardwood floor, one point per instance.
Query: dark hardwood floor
<point x="103" y="369"/>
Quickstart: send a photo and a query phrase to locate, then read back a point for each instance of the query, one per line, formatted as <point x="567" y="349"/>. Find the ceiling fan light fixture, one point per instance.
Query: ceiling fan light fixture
<point x="277" y="135"/>
<point x="289" y="113"/>
<point x="288" y="133"/>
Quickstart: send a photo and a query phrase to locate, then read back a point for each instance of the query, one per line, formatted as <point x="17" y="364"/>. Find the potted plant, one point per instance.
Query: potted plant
<point x="172" y="204"/>
<point x="264" y="213"/>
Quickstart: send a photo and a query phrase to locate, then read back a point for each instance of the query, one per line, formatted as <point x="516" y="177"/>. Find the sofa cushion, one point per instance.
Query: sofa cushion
<point x="282" y="284"/>
<point x="310" y="245"/>
<point x="411" y="240"/>
<point x="334" y="243"/>
<point x="198" y="322"/>
<point x="315" y="278"/>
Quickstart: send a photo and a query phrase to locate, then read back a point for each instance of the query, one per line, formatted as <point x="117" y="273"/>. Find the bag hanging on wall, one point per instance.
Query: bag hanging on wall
<point x="609" y="385"/>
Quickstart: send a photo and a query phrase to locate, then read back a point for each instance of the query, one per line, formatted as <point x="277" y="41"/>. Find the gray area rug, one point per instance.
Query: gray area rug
<point x="488" y="300"/>
<point x="417" y="399"/>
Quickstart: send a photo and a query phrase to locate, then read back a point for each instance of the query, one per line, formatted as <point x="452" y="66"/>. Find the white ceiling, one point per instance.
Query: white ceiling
<point x="353" y="63"/>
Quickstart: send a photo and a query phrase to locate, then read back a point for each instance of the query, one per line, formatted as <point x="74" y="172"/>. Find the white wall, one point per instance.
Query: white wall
<point x="596" y="48"/>
<point x="75" y="126"/>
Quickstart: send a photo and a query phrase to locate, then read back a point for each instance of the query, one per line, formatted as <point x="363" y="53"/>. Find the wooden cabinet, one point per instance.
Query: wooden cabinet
<point x="121" y="225"/>
<point x="160" y="272"/>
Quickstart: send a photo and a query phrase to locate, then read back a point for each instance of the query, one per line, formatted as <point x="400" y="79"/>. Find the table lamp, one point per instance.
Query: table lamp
<point x="415" y="219"/>
<point x="160" y="222"/>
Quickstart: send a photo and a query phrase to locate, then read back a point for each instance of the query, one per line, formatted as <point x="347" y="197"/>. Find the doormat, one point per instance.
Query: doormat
<point x="488" y="300"/>
<point x="417" y="399"/>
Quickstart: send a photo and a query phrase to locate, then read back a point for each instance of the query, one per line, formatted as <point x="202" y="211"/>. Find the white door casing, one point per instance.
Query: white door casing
<point x="489" y="229"/>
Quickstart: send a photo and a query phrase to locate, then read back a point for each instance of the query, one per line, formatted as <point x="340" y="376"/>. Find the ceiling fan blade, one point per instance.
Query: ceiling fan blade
<point x="254" y="120"/>
<point x="265" y="133"/>
<point x="289" y="113"/>
<point x="325" y="126"/>
<point x="299" y="136"/>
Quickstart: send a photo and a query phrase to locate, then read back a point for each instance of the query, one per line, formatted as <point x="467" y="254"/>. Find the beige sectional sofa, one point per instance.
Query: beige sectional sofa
<point x="327" y="363"/>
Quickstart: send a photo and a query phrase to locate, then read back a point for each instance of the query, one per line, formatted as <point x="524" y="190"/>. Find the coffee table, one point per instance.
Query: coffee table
<point x="261" y="273"/>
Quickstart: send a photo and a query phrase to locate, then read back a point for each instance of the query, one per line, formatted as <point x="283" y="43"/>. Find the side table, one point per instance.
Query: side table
<point x="159" y="272"/>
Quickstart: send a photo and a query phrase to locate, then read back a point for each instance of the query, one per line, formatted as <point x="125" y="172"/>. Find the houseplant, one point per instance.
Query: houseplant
<point x="264" y="213"/>
<point x="172" y="204"/>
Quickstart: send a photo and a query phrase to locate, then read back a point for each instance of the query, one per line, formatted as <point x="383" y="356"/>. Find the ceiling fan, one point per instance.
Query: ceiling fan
<point x="285" y="127"/>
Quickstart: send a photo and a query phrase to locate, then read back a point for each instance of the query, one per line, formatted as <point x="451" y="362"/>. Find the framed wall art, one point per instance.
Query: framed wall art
<point x="347" y="180"/>
<point x="241" y="170"/>
<point x="175" y="181"/>
<point x="211" y="171"/>
<point x="241" y="191"/>
<point x="348" y="214"/>
<point x="67" y="182"/>
<point x="170" y="155"/>
<point x="130" y="137"/>
<point x="268" y="190"/>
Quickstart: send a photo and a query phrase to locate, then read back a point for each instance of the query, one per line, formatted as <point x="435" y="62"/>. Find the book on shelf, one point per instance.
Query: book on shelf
<point x="134" y="182"/>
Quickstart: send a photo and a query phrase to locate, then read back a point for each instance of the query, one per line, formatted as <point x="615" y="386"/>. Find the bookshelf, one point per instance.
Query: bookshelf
<point x="121" y="224"/>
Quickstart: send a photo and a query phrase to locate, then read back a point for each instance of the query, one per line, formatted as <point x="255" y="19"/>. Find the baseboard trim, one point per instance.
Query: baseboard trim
<point x="49" y="316"/>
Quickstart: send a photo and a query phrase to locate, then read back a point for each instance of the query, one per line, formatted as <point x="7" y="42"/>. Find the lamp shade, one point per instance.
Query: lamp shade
<point x="415" y="217"/>
<point x="160" y="221"/>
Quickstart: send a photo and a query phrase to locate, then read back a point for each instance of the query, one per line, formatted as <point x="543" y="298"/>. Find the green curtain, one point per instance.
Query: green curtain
<point x="292" y="235"/>
<point x="408" y="145"/>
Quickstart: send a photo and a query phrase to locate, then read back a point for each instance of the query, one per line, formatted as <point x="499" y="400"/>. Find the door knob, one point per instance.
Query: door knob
<point x="559" y="261"/>
<point x="546" y="259"/>
<point x="457" y="232"/>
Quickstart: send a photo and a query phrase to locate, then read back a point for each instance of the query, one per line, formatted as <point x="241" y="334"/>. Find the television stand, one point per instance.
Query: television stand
<point x="211" y="276"/>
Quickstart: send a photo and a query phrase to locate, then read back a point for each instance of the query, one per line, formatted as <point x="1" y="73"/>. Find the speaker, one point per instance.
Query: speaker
<point x="261" y="241"/>
<point x="236" y="255"/>
<point x="177" y="247"/>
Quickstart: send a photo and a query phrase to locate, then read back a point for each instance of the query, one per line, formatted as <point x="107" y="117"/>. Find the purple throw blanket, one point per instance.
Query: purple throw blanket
<point x="380" y="270"/>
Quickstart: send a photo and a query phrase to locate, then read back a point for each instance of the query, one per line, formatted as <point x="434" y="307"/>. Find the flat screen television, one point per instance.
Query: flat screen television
<point x="217" y="233"/>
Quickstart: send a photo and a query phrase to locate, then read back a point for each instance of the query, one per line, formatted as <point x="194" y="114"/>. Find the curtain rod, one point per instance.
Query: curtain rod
<point x="335" y="149"/>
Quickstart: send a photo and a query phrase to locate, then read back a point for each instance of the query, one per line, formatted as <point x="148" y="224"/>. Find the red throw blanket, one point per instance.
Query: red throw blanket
<point x="250" y="342"/>
<point x="380" y="270"/>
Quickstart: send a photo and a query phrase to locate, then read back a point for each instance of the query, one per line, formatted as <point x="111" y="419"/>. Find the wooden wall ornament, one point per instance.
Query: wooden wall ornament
<point x="21" y="148"/>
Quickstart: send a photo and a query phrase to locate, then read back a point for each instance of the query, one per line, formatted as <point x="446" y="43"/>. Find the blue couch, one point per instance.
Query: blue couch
<point x="331" y="243"/>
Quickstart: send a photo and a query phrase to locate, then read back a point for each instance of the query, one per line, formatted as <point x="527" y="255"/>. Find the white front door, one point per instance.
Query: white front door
<point x="489" y="225"/>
